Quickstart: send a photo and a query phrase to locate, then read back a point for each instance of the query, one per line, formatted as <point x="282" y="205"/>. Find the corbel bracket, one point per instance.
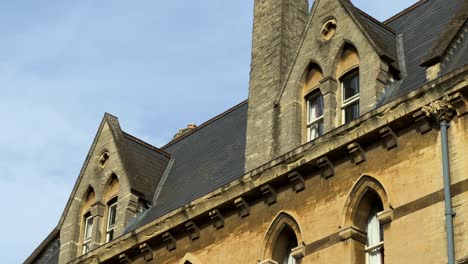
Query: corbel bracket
<point x="357" y="153"/>
<point x="124" y="259"/>
<point x="169" y="240"/>
<point x="147" y="251"/>
<point x="297" y="181"/>
<point x="193" y="230"/>
<point x="269" y="194"/>
<point x="242" y="206"/>
<point x="326" y="167"/>
<point x="390" y="140"/>
<point x="459" y="103"/>
<point x="217" y="219"/>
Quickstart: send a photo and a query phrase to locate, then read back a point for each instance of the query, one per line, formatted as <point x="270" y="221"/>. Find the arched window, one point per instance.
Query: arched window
<point x="366" y="210"/>
<point x="314" y="102"/>
<point x="283" y="241"/>
<point x="111" y="201"/>
<point x="282" y="252"/>
<point x="348" y="73"/>
<point x="87" y="221"/>
<point x="365" y="219"/>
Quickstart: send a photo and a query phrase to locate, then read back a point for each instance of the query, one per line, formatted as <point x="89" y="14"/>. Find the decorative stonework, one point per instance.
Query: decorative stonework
<point x="169" y="240"/>
<point x="103" y="158"/>
<point x="298" y="252"/>
<point x="124" y="259"/>
<point x="146" y="251"/>
<point x="328" y="30"/>
<point x="357" y="153"/>
<point x="217" y="219"/>
<point x="269" y="194"/>
<point x="385" y="217"/>
<point x="297" y="181"/>
<point x="390" y="140"/>
<point x="353" y="233"/>
<point x="193" y="230"/>
<point x="243" y="207"/>
<point x="440" y="110"/>
<point x="326" y="167"/>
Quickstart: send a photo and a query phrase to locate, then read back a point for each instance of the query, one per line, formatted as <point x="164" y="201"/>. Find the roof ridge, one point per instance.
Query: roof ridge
<point x="146" y="144"/>
<point x="373" y="19"/>
<point x="205" y="124"/>
<point x="404" y="11"/>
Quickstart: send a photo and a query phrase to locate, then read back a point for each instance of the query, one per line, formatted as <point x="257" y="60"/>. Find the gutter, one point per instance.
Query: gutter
<point x="449" y="214"/>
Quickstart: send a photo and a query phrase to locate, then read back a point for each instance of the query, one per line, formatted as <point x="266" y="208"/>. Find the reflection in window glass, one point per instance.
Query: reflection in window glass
<point x="314" y="116"/>
<point x="350" y="91"/>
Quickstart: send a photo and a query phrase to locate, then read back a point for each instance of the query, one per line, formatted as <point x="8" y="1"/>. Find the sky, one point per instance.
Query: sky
<point x="157" y="65"/>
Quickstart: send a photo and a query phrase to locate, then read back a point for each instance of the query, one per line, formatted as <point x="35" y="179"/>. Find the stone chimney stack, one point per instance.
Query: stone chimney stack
<point x="277" y="31"/>
<point x="184" y="131"/>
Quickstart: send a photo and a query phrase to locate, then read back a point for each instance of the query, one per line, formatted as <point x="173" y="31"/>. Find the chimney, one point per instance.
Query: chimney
<point x="184" y="131"/>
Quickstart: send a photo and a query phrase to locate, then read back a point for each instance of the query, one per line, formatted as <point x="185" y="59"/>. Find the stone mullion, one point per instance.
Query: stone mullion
<point x="328" y="88"/>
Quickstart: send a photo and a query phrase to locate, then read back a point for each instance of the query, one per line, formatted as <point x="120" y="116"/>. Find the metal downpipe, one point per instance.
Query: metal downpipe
<point x="444" y="125"/>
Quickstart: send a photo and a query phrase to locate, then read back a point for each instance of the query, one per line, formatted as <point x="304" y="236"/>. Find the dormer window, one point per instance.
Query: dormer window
<point x="87" y="234"/>
<point x="313" y="105"/>
<point x="111" y="217"/>
<point x="350" y="92"/>
<point x="314" y="115"/>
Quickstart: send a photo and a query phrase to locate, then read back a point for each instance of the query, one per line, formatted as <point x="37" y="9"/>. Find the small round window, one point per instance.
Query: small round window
<point x="103" y="159"/>
<point x="328" y="30"/>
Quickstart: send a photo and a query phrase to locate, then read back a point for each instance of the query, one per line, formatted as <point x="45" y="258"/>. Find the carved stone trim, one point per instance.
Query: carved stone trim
<point x="440" y="110"/>
<point x="390" y="140"/>
<point x="124" y="259"/>
<point x="269" y="194"/>
<point x="459" y="103"/>
<point x="243" y="207"/>
<point x="422" y="122"/>
<point x="169" y="240"/>
<point x="217" y="219"/>
<point x="147" y="252"/>
<point x="357" y="153"/>
<point x="298" y="252"/>
<point x="326" y="167"/>
<point x="193" y="230"/>
<point x="297" y="181"/>
<point x="385" y="217"/>
<point x="353" y="232"/>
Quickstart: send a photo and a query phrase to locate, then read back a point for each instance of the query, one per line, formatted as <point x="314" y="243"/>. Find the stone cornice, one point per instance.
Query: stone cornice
<point x="336" y="140"/>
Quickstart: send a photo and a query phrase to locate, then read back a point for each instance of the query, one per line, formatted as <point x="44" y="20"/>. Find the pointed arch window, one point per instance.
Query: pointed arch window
<point x="112" y="202"/>
<point x="88" y="231"/>
<point x="350" y="92"/>
<point x="375" y="244"/>
<point x="314" y="115"/>
<point x="111" y="219"/>
<point x="286" y="241"/>
<point x="87" y="222"/>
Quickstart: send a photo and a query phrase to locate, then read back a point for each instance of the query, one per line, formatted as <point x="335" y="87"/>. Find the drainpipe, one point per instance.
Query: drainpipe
<point x="444" y="125"/>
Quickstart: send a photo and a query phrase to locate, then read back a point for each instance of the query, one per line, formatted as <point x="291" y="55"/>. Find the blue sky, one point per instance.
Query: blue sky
<point x="157" y="65"/>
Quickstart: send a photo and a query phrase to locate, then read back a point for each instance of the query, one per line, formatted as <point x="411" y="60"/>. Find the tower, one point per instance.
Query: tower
<point x="278" y="27"/>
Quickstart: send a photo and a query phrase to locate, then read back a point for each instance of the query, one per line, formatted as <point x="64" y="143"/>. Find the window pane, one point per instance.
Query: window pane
<point x="315" y="108"/>
<point x="110" y="235"/>
<point x="315" y="130"/>
<point x="112" y="214"/>
<point x="350" y="85"/>
<point x="88" y="228"/>
<point x="351" y="112"/>
<point x="373" y="237"/>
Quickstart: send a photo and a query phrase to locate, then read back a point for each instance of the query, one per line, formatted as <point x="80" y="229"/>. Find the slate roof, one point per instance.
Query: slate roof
<point x="382" y="37"/>
<point x="212" y="155"/>
<point x="204" y="160"/>
<point x="148" y="165"/>
<point x="420" y="26"/>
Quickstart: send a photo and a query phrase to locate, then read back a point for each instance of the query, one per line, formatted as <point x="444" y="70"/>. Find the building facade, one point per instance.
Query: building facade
<point x="351" y="148"/>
